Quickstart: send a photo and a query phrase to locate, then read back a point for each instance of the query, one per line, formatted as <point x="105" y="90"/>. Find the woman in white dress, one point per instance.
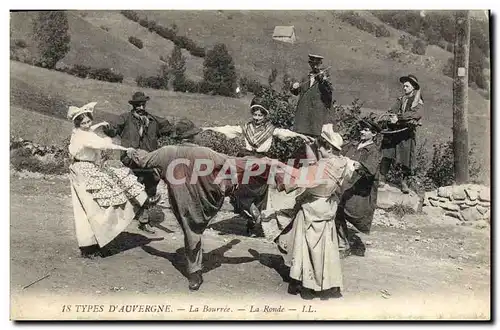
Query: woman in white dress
<point x="310" y="242"/>
<point x="105" y="199"/>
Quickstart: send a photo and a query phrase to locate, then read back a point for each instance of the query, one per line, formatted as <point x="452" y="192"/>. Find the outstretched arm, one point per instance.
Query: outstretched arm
<point x="229" y="131"/>
<point x="116" y="128"/>
<point x="286" y="134"/>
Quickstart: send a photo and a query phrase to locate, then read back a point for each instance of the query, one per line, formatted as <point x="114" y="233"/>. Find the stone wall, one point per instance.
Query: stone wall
<point x="468" y="203"/>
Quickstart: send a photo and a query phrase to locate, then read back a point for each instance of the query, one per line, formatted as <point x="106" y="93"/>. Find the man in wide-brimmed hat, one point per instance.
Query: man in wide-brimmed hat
<point x="140" y="130"/>
<point x="315" y="101"/>
<point x="400" y="147"/>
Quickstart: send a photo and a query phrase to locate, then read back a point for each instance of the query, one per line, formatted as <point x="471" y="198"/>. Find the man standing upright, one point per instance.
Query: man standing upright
<point x="139" y="129"/>
<point x="315" y="101"/>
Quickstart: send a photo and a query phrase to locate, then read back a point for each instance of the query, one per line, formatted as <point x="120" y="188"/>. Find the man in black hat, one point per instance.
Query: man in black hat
<point x="400" y="147"/>
<point x="139" y="129"/>
<point x="315" y="100"/>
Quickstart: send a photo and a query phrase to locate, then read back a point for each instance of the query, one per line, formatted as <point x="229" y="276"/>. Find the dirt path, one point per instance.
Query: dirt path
<point x="428" y="270"/>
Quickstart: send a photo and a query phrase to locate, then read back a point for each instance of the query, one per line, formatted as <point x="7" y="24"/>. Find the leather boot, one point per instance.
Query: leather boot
<point x="195" y="280"/>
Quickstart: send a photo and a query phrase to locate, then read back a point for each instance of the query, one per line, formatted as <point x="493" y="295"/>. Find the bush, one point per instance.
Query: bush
<point x="198" y="51"/>
<point x="81" y="71"/>
<point x="191" y="86"/>
<point x="25" y="159"/>
<point x="155" y="82"/>
<point x="406" y="42"/>
<point x="382" y="31"/>
<point x="105" y="74"/>
<point x="144" y="22"/>
<point x="379" y="30"/>
<point x="131" y="15"/>
<point x="436" y="169"/>
<point x="165" y="32"/>
<point x="251" y="85"/>
<point x="419" y="47"/>
<point x="51" y="36"/>
<point x="448" y="68"/>
<point x="136" y="42"/>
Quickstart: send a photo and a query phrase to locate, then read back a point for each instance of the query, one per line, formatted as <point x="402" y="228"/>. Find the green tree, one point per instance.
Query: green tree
<point x="219" y="72"/>
<point x="51" y="36"/>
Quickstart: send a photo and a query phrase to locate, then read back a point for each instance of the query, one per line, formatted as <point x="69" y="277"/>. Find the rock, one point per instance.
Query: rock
<point x="458" y="193"/>
<point x="482" y="209"/>
<point x="472" y="193"/>
<point x="471" y="214"/>
<point x="393" y="196"/>
<point x="450" y="207"/>
<point x="428" y="195"/>
<point x="481" y="224"/>
<point x="484" y="195"/>
<point x="464" y="206"/>
<point x="433" y="211"/>
<point x="471" y="203"/>
<point x="485" y="204"/>
<point x="445" y="192"/>
<point x="455" y="215"/>
<point x="435" y="203"/>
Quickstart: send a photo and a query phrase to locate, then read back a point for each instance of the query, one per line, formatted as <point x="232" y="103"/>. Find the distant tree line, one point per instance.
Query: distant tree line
<point x="353" y="18"/>
<point x="167" y="33"/>
<point x="438" y="28"/>
<point x="219" y="74"/>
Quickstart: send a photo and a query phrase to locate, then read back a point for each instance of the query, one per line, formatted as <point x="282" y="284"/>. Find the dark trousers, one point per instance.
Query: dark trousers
<point x="149" y="177"/>
<point x="385" y="166"/>
<point x="342" y="230"/>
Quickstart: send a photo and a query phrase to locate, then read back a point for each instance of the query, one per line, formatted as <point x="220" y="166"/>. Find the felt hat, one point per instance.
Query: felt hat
<point x="185" y="128"/>
<point x="138" y="97"/>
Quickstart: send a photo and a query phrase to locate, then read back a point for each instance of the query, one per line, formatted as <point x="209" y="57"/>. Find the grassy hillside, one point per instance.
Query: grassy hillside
<point x="50" y="93"/>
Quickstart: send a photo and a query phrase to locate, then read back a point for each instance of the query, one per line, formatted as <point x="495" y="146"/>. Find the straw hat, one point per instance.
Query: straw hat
<point x="333" y="138"/>
<point x="74" y="112"/>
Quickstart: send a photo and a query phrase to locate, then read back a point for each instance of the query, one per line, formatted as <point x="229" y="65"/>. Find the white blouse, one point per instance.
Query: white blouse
<point x="232" y="132"/>
<point x="87" y="145"/>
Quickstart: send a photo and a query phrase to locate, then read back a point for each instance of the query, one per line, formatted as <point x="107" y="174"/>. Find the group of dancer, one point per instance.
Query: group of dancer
<point x="337" y="183"/>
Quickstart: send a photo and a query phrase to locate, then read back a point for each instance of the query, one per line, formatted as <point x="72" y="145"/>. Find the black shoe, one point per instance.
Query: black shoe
<point x="294" y="287"/>
<point x="147" y="228"/>
<point x="330" y="293"/>
<point x="90" y="252"/>
<point x="195" y="281"/>
<point x="307" y="294"/>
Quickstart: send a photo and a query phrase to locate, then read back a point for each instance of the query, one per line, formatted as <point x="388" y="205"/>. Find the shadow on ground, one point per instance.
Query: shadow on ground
<point x="126" y="241"/>
<point x="211" y="260"/>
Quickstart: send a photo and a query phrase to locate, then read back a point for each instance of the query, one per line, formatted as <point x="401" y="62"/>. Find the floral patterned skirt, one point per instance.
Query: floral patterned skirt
<point x="109" y="186"/>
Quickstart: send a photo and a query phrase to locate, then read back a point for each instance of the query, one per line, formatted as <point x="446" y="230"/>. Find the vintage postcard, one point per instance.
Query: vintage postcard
<point x="250" y="165"/>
